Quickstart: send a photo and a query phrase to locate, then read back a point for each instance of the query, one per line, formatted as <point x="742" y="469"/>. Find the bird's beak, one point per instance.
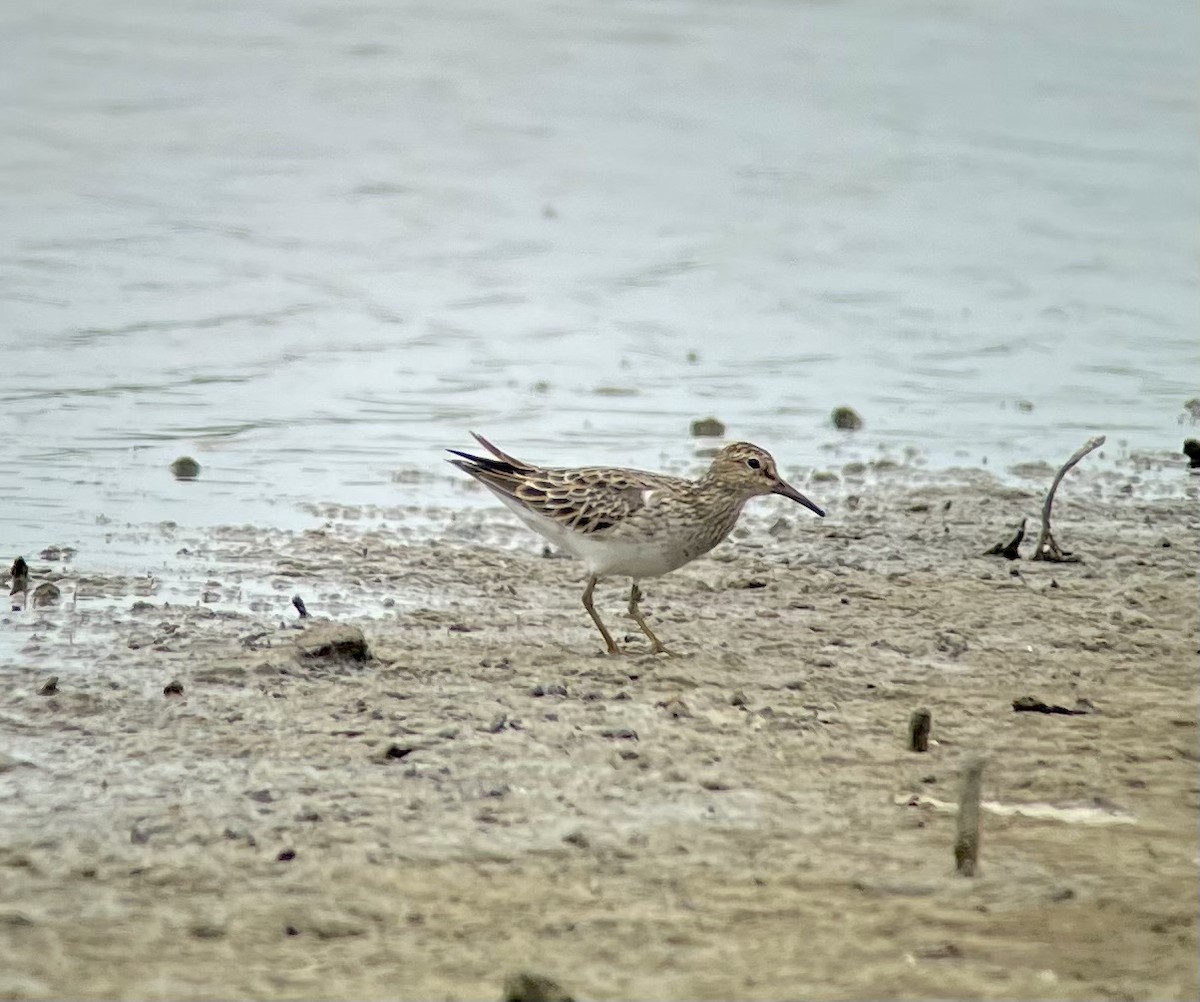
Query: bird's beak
<point x="788" y="491"/>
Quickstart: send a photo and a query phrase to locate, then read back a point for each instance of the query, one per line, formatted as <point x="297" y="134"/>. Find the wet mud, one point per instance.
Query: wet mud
<point x="435" y="780"/>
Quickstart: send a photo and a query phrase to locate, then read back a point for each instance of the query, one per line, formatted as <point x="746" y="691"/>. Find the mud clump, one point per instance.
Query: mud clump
<point x="185" y="468"/>
<point x="46" y="594"/>
<point x="333" y="641"/>
<point x="526" y="987"/>
<point x="846" y="418"/>
<point x="708" y="427"/>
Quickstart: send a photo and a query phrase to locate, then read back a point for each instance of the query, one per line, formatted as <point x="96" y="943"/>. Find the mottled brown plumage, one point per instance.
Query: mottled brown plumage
<point x="629" y="522"/>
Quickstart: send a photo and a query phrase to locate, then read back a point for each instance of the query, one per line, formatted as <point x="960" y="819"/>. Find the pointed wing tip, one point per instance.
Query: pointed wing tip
<point x="499" y="453"/>
<point x="487" y="445"/>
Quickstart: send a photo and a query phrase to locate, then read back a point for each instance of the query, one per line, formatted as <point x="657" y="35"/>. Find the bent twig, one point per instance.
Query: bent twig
<point x="1047" y="548"/>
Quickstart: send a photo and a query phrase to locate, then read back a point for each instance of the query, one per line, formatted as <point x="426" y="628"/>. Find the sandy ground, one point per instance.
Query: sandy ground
<point x="487" y="793"/>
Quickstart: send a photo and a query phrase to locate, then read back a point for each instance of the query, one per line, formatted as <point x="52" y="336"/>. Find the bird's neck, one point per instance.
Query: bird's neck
<point x="721" y="509"/>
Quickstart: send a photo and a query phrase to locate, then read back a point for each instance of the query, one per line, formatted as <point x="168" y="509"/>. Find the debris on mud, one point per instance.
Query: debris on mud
<point x="1047" y="548"/>
<point x="20" y="579"/>
<point x="185" y="468"/>
<point x="709" y="427"/>
<point x="1010" y="550"/>
<point x="966" y="842"/>
<point x="1027" y="704"/>
<point x="45" y="594"/>
<point x="919" y="725"/>
<point x="527" y="987"/>
<point x="333" y="640"/>
<point x="846" y="418"/>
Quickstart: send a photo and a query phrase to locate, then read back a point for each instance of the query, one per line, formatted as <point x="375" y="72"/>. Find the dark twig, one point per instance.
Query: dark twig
<point x="1027" y="704"/>
<point x="1047" y="548"/>
<point x="20" y="576"/>
<point x="1010" y="550"/>
<point x="20" y="581"/>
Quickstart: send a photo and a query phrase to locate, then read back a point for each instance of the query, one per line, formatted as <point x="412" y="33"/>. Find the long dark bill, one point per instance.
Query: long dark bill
<point x="788" y="491"/>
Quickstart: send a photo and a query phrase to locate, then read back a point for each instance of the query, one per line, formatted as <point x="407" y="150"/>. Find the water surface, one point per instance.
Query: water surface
<point x="313" y="243"/>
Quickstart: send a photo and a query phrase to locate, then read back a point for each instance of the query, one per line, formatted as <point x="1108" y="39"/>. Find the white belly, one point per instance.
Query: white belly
<point x="612" y="557"/>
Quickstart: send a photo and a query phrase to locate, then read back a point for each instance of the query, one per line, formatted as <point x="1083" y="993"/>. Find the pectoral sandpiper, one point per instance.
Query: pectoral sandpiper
<point x="630" y="523"/>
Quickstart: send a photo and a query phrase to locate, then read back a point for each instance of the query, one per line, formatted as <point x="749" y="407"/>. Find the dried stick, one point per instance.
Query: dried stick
<point x="966" y="842"/>
<point x="918" y="730"/>
<point x="1010" y="550"/>
<point x="1047" y="548"/>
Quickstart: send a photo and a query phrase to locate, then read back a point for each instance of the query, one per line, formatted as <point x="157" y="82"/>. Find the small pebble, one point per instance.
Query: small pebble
<point x="676" y="708"/>
<point x="185" y="468"/>
<point x="708" y="427"/>
<point x="577" y="838"/>
<point x="846" y="418"/>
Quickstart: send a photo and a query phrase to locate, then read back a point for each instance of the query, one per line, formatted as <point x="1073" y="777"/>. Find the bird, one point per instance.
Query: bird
<point x="630" y="523"/>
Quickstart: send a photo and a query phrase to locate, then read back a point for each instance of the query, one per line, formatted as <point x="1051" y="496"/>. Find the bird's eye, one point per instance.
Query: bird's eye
<point x="753" y="463"/>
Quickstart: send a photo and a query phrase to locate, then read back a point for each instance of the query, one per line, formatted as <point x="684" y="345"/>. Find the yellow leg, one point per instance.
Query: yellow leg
<point x="635" y="595"/>
<point x="591" y="610"/>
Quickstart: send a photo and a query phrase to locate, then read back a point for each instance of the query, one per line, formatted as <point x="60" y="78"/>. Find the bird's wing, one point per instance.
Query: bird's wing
<point x="499" y="454"/>
<point x="586" y="500"/>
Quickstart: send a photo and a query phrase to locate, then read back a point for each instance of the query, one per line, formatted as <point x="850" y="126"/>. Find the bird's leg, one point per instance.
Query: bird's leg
<point x="591" y="610"/>
<point x="635" y="595"/>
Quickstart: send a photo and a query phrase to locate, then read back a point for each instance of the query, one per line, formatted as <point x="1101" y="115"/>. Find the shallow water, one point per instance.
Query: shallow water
<point x="314" y="243"/>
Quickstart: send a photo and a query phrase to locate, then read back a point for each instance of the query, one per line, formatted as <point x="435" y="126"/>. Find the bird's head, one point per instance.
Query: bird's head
<point x="752" y="471"/>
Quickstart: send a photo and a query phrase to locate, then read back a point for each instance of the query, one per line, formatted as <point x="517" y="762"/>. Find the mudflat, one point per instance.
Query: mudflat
<point x="486" y="793"/>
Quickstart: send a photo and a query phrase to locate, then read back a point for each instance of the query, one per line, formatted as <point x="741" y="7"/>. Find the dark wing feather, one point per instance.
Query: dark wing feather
<point x="588" y="500"/>
<point x="511" y="460"/>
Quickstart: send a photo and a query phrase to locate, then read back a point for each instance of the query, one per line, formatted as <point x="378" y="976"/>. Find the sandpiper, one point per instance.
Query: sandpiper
<point x="630" y="523"/>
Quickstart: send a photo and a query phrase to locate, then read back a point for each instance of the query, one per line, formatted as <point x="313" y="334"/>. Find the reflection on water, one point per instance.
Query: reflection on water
<point x="314" y="243"/>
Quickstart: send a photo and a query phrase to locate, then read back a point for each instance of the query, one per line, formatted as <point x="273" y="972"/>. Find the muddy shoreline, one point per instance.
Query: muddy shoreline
<point x="487" y="793"/>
